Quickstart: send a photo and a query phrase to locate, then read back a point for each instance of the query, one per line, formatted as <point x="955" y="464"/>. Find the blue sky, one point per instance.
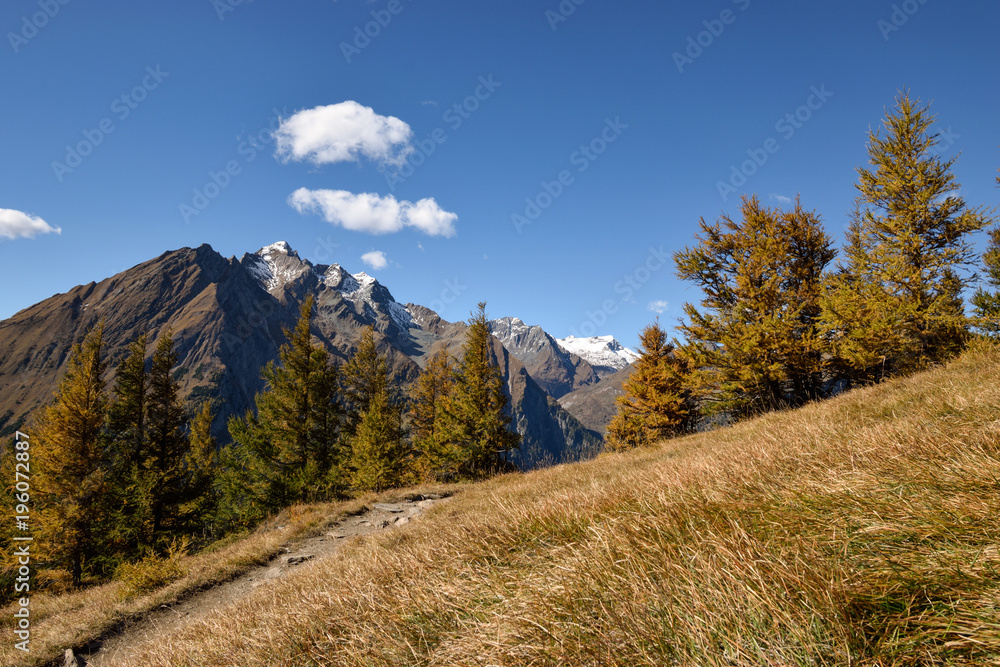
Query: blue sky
<point x="618" y="121"/>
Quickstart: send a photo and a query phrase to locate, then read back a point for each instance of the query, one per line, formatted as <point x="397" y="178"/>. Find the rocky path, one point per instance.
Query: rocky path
<point x="119" y="647"/>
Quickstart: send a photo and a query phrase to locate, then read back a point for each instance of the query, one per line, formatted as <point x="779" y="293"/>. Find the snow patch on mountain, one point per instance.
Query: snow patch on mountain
<point x="340" y="280"/>
<point x="402" y="316"/>
<point x="259" y="269"/>
<point x="599" y="351"/>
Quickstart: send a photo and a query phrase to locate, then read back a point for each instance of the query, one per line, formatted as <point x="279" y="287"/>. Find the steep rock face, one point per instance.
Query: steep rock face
<point x="594" y="405"/>
<point x="557" y="371"/>
<point x="227" y="319"/>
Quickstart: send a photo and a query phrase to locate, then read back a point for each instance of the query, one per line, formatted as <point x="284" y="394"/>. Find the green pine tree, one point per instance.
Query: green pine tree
<point x="477" y="422"/>
<point x="70" y="478"/>
<point x="428" y="399"/>
<point x="364" y="376"/>
<point x="290" y="450"/>
<point x="756" y="342"/>
<point x="130" y="485"/>
<point x="655" y="405"/>
<point x="168" y="446"/>
<point x="127" y="413"/>
<point x="380" y="457"/>
<point x="895" y="305"/>
<point x="201" y="463"/>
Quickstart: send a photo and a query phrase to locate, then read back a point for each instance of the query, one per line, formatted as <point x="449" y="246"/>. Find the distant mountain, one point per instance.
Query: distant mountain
<point x="557" y="371"/>
<point x="594" y="405"/>
<point x="605" y="354"/>
<point x="227" y="317"/>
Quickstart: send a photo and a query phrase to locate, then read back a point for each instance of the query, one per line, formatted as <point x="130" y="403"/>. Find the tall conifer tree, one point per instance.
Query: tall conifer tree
<point x="428" y="398"/>
<point x="364" y="376"/>
<point x="127" y="413"/>
<point x="168" y="445"/>
<point x="130" y="485"/>
<point x="478" y="422"/>
<point x="756" y="344"/>
<point x="896" y="303"/>
<point x="655" y="404"/>
<point x="380" y="457"/>
<point x="69" y="451"/>
<point x="201" y="463"/>
<point x="987" y="301"/>
<point x="290" y="450"/>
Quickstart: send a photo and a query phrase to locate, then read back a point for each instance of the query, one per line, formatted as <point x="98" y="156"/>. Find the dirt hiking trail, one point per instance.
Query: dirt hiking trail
<point x="120" y="645"/>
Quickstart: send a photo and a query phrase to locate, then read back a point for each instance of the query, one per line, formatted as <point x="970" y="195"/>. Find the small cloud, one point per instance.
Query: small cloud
<point x="375" y="260"/>
<point x="343" y="132"/>
<point x="15" y="225"/>
<point x="659" y="307"/>
<point x="420" y="246"/>
<point x="782" y="199"/>
<point x="373" y="214"/>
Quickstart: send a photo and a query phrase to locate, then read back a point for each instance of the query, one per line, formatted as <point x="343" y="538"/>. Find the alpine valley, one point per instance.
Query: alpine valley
<point x="228" y="318"/>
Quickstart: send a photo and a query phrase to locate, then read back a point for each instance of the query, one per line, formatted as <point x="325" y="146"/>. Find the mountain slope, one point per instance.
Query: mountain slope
<point x="594" y="405"/>
<point x="223" y="324"/>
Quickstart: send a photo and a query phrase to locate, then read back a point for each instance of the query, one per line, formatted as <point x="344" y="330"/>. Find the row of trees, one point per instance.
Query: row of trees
<point x="777" y="327"/>
<point x="116" y="476"/>
<point x="127" y="474"/>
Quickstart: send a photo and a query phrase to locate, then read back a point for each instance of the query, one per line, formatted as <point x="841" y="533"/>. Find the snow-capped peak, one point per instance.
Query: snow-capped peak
<point x="280" y="246"/>
<point x="364" y="279"/>
<point x="599" y="351"/>
<point x="275" y="265"/>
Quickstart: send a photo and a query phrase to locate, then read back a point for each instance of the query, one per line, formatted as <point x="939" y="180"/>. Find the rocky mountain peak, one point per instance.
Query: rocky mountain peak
<point x="275" y="265"/>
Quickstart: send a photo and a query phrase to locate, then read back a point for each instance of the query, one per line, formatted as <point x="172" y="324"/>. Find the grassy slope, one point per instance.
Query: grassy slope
<point x="860" y="531"/>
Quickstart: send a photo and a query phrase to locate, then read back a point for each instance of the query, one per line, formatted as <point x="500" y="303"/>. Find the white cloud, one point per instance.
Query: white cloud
<point x="15" y="224"/>
<point x="782" y="199"/>
<point x="375" y="259"/>
<point x="659" y="307"/>
<point x="343" y="132"/>
<point x="370" y="213"/>
<point x="429" y="218"/>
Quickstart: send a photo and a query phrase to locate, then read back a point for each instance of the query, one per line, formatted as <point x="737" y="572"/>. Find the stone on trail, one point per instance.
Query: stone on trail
<point x="295" y="560"/>
<point x="388" y="507"/>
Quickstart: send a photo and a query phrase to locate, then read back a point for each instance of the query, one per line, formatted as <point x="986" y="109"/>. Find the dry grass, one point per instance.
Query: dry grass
<point x="860" y="531"/>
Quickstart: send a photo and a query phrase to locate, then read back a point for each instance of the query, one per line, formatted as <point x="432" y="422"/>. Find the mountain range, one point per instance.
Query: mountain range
<point x="228" y="316"/>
